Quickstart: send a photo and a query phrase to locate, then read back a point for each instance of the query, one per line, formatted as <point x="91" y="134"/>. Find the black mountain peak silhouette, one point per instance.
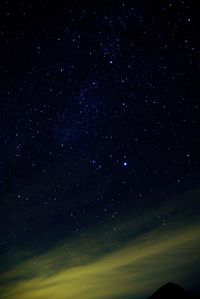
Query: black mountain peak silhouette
<point x="173" y="291"/>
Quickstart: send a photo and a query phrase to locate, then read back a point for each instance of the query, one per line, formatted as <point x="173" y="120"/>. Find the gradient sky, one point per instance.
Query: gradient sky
<point x="134" y="261"/>
<point x="99" y="148"/>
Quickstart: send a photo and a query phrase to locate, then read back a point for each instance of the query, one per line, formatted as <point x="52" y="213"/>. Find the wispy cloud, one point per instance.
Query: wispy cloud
<point x="99" y="266"/>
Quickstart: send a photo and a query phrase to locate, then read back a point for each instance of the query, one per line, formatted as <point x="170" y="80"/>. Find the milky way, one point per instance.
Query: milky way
<point x="99" y="148"/>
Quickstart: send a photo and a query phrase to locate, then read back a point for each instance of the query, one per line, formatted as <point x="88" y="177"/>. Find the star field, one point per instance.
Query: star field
<point x="99" y="120"/>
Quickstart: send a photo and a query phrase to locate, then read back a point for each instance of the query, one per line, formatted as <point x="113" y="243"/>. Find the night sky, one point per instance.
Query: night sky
<point x="99" y="148"/>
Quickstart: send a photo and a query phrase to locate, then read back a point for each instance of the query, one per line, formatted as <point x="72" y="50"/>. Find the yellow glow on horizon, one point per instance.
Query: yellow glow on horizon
<point x="86" y="269"/>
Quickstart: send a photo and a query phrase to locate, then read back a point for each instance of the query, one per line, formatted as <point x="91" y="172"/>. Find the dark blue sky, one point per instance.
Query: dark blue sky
<point x="99" y="118"/>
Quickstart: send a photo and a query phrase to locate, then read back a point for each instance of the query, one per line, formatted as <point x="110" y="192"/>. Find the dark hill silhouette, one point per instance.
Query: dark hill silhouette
<point x="173" y="291"/>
